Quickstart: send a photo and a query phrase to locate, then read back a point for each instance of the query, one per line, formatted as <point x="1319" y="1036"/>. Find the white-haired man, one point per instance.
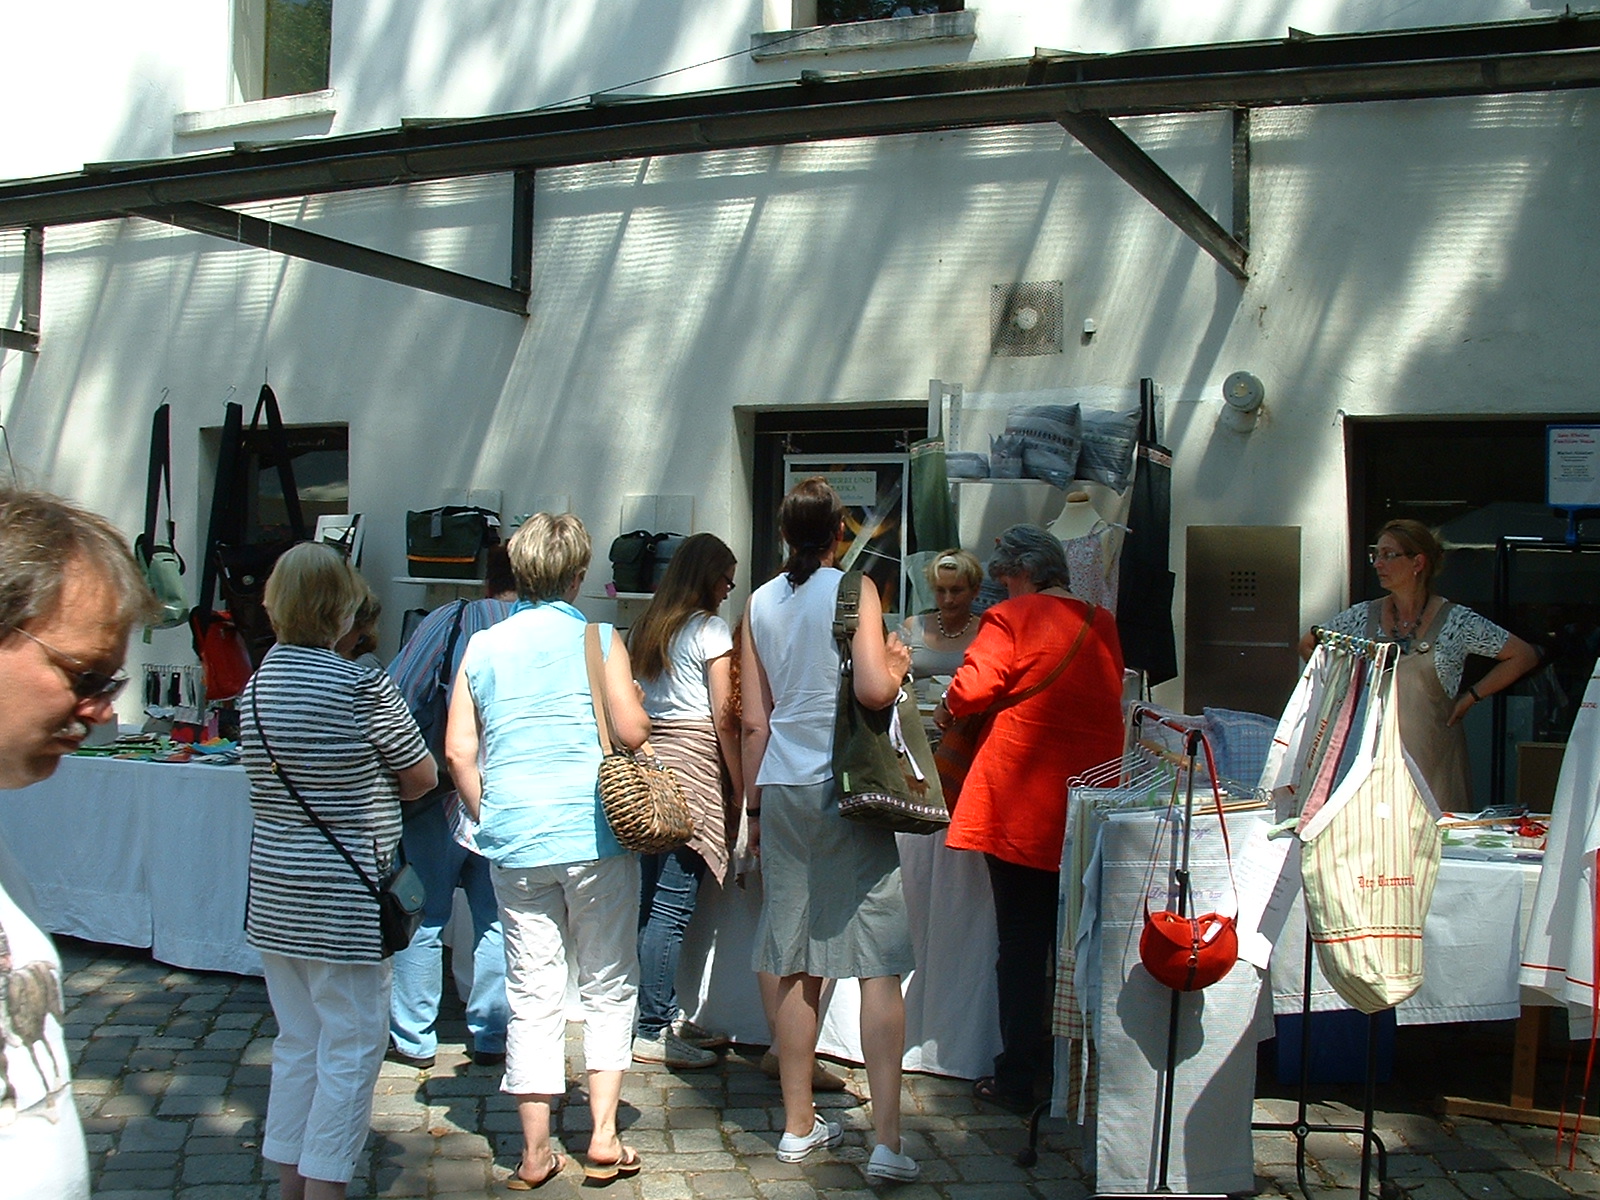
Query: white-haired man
<point x="70" y="594"/>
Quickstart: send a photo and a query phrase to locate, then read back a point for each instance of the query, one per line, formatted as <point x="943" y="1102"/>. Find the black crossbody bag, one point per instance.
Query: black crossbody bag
<point x="400" y="894"/>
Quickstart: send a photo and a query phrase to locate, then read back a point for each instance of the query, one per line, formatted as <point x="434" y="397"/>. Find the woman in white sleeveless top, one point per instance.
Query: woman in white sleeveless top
<point x="832" y="906"/>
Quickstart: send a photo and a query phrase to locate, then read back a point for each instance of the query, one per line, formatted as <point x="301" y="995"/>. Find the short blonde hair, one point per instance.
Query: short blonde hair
<point x="312" y="595"/>
<point x="548" y="553"/>
<point x="967" y="564"/>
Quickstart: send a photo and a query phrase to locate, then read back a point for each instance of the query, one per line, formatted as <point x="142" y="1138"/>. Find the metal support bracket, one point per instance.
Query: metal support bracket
<point x="522" y="232"/>
<point x="314" y="247"/>
<point x="1241" y="177"/>
<point x="26" y="339"/>
<point x="1122" y="154"/>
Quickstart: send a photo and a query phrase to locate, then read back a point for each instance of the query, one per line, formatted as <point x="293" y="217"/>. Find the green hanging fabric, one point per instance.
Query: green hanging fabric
<point x="933" y="521"/>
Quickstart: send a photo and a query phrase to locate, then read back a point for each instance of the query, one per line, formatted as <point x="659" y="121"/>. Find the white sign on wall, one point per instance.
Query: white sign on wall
<point x="1572" y="466"/>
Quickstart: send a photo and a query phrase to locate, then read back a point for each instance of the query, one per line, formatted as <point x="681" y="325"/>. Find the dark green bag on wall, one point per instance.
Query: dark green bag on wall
<point x="883" y="771"/>
<point x="444" y="543"/>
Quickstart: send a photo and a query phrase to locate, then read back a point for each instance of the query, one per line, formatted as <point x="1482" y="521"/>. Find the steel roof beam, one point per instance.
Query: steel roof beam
<point x="347" y="256"/>
<point x="1541" y="55"/>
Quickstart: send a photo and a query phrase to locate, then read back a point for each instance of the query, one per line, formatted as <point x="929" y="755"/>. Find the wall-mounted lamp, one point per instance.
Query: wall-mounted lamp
<point x="1242" y="395"/>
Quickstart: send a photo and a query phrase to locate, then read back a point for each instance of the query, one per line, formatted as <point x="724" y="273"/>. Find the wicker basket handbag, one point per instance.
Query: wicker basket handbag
<point x="640" y="797"/>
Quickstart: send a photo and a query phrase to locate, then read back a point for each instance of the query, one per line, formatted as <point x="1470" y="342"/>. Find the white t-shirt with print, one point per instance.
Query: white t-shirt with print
<point x="41" y="1142"/>
<point x="683" y="693"/>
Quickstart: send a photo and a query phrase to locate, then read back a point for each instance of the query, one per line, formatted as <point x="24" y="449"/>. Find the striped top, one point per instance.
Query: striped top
<point x="417" y="665"/>
<point x="340" y="732"/>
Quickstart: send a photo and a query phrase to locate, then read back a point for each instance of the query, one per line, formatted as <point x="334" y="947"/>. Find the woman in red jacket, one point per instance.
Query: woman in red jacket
<point x="1014" y="802"/>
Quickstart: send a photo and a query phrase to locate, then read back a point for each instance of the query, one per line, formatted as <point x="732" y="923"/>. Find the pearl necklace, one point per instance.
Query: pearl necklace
<point x="945" y="633"/>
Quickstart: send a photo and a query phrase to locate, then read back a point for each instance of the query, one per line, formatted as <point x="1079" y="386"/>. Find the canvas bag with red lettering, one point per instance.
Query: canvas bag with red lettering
<point x="1369" y="860"/>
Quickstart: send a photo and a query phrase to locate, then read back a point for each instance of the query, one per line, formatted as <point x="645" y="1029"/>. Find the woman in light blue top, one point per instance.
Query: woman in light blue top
<point x="525" y="754"/>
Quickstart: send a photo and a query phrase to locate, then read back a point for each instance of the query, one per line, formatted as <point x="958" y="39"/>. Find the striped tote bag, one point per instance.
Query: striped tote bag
<point x="1369" y="859"/>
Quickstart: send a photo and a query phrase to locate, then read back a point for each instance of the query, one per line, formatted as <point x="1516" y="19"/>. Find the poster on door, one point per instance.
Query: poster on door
<point x="874" y="492"/>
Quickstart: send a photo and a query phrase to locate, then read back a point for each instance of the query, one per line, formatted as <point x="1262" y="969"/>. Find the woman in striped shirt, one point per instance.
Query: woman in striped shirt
<point x="342" y="736"/>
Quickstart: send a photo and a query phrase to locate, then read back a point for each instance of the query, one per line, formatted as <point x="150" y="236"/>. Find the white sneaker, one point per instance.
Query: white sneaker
<point x="671" y="1051"/>
<point x="792" y="1149"/>
<point x="697" y="1035"/>
<point x="886" y="1164"/>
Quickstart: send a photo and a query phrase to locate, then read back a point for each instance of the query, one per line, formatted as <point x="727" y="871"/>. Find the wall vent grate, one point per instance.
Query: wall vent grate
<point x="1025" y="318"/>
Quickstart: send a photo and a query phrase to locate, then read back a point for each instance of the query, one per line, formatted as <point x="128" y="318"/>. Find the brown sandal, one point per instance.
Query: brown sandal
<point x="628" y="1164"/>
<point x="519" y="1183"/>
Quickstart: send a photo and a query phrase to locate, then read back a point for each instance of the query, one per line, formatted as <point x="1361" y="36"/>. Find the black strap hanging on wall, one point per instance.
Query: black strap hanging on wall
<point x="1146" y="585"/>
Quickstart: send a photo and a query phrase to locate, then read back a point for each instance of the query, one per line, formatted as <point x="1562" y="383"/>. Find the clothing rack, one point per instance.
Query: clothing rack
<point x="1193" y="738"/>
<point x="1348" y="643"/>
<point x="1376" y="652"/>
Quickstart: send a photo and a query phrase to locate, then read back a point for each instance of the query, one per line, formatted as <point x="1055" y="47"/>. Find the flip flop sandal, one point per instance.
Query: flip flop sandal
<point x="986" y="1090"/>
<point x="628" y="1164"/>
<point x="517" y="1183"/>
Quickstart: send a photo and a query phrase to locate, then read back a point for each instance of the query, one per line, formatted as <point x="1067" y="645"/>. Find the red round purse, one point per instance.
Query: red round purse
<point x="1189" y="953"/>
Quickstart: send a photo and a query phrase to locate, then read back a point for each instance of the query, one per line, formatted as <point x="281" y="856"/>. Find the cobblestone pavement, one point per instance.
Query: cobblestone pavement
<point x="172" y="1070"/>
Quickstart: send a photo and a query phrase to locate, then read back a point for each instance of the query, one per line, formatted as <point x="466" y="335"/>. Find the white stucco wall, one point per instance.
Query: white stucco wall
<point x="1432" y="257"/>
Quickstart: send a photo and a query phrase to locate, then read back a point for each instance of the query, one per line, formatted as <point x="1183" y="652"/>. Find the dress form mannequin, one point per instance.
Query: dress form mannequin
<point x="1085" y="537"/>
<point x="1077" y="518"/>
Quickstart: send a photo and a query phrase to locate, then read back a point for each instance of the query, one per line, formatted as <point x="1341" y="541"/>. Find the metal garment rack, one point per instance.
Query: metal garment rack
<point x="1300" y="1127"/>
<point x="1193" y="738"/>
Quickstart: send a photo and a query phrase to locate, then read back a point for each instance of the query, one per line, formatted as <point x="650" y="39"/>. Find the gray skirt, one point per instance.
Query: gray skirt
<point x="832" y="904"/>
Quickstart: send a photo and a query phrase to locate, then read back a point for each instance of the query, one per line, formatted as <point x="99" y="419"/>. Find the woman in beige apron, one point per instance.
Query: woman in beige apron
<point x="1435" y="636"/>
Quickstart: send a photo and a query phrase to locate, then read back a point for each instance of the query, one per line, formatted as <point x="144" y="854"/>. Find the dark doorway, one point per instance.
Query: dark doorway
<point x="833" y="430"/>
<point x="1476" y="482"/>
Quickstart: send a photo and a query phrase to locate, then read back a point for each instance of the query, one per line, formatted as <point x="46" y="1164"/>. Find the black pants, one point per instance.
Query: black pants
<point x="1025" y="918"/>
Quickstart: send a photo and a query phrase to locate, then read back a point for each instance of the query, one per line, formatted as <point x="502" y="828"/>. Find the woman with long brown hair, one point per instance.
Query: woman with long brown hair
<point x="682" y="654"/>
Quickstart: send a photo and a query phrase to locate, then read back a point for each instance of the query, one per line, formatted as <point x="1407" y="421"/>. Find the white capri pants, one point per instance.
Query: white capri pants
<point x="333" y="1027"/>
<point x="586" y="913"/>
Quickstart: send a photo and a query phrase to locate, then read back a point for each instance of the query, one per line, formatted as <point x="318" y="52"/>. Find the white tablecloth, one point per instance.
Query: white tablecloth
<point x="1471" y="949"/>
<point x="140" y="854"/>
<point x="952" y="1024"/>
<point x="151" y="854"/>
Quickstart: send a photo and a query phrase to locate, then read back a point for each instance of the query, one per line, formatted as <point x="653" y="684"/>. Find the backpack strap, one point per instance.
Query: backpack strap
<point x="847" y="611"/>
<point x="226" y="523"/>
<point x="267" y="402"/>
<point x="160" y="473"/>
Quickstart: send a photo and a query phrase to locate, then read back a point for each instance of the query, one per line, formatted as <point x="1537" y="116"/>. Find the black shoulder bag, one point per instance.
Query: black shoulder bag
<point x="400" y="894"/>
<point x="883" y="772"/>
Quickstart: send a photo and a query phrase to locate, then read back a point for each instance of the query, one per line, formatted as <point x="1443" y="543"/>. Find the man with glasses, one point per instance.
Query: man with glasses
<point x="70" y="594"/>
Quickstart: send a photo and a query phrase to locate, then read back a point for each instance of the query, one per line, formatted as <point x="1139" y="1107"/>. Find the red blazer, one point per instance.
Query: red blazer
<point x="1014" y="801"/>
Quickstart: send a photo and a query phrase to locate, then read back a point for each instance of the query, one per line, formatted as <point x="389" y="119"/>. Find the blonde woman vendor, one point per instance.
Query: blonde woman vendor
<point x="938" y="640"/>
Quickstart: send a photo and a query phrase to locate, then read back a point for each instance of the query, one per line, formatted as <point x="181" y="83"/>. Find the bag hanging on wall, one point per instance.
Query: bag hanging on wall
<point x="432" y="715"/>
<point x="224" y="657"/>
<point x="883" y="768"/>
<point x="446" y="542"/>
<point x="633" y="561"/>
<point x="1187" y="953"/>
<point x="641" y="799"/>
<point x="161" y="564"/>
<point x="400" y="893"/>
<point x="243" y="568"/>
<point x="1369" y="859"/>
<point x="958" y="745"/>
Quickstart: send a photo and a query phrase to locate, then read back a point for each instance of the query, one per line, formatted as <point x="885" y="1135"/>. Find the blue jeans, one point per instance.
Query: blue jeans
<point x="414" y="1004"/>
<point x="669" y="885"/>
